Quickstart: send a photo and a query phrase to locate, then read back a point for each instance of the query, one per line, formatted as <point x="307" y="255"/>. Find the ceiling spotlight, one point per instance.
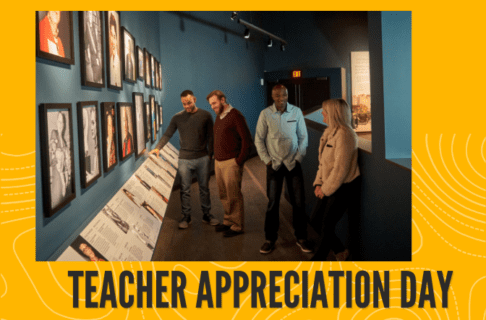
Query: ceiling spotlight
<point x="282" y="47"/>
<point x="270" y="43"/>
<point x="234" y="15"/>
<point x="247" y="33"/>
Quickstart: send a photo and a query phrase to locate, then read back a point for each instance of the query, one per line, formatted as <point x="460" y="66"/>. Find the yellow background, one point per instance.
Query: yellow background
<point x="448" y="189"/>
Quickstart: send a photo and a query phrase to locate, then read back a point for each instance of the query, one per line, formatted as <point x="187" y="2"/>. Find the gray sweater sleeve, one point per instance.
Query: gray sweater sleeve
<point x="167" y="134"/>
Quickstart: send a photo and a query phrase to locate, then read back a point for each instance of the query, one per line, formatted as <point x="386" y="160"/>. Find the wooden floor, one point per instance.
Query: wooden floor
<point x="200" y="242"/>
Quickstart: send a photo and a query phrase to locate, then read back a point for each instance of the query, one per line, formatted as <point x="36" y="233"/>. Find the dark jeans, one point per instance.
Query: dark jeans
<point x="329" y="211"/>
<point x="295" y="186"/>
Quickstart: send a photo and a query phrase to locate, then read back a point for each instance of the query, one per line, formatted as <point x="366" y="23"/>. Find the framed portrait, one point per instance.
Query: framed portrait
<point x="86" y="250"/>
<point x="129" y="60"/>
<point x="91" y="49"/>
<point x="140" y="63"/>
<point x="146" y="56"/>
<point x="153" y="118"/>
<point x="152" y="71"/>
<point x="57" y="156"/>
<point x="159" y="72"/>
<point x="157" y="120"/>
<point x="108" y="131"/>
<point x="113" y="43"/>
<point x="148" y="119"/>
<point x="161" y="77"/>
<point x="156" y="75"/>
<point x="140" y="132"/>
<point x="89" y="142"/>
<point x="125" y="131"/>
<point x="57" y="45"/>
<point x="160" y="115"/>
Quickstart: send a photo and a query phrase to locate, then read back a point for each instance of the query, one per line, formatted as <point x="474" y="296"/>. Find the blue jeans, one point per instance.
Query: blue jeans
<point x="186" y="168"/>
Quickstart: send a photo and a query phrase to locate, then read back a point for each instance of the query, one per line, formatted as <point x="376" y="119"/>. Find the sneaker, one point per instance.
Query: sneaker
<point x="212" y="221"/>
<point x="222" y="227"/>
<point x="304" y="245"/>
<point x="342" y="256"/>
<point x="185" y="222"/>
<point x="232" y="233"/>
<point x="267" y="247"/>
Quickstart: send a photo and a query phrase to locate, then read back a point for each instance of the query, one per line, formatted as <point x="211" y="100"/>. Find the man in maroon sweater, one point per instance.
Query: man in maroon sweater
<point x="232" y="145"/>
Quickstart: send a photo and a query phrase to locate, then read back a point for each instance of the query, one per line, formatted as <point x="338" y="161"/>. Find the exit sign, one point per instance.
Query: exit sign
<point x="296" y="74"/>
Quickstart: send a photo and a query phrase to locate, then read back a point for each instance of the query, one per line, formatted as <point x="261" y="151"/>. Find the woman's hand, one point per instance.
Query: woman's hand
<point x="318" y="192"/>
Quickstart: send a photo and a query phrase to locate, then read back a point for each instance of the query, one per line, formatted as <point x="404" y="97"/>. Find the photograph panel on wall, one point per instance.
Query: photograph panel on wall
<point x="140" y="63"/>
<point x="140" y="133"/>
<point x="160" y="114"/>
<point x="152" y="71"/>
<point x="125" y="131"/>
<point x="91" y="49"/>
<point x="130" y="68"/>
<point x="361" y="91"/>
<point x="148" y="119"/>
<point x="54" y="36"/>
<point x="156" y="75"/>
<point x="89" y="142"/>
<point x="146" y="55"/>
<point x="156" y="111"/>
<point x="160" y="78"/>
<point x="153" y="118"/>
<point x="57" y="156"/>
<point x="113" y="43"/>
<point x="108" y="132"/>
<point x="86" y="250"/>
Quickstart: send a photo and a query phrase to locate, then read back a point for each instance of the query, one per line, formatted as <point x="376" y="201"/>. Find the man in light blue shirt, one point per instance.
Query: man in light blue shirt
<point x="281" y="142"/>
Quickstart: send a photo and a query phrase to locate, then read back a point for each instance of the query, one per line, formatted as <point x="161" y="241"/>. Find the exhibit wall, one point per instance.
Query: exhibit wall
<point x="397" y="80"/>
<point x="61" y="83"/>
<point x="205" y="51"/>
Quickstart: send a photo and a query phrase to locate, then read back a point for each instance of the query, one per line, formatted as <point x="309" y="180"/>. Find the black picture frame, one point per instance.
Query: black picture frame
<point x="146" y="56"/>
<point x="91" y="49"/>
<point x="152" y="71"/>
<point x="129" y="62"/>
<point x="160" y="76"/>
<point x="148" y="117"/>
<point x="140" y="63"/>
<point x="109" y="160"/>
<point x="47" y="43"/>
<point x="114" y="77"/>
<point x="156" y="110"/>
<point x="140" y="130"/>
<point x="125" y="121"/>
<point x="156" y="73"/>
<point x="57" y="156"/>
<point x="153" y="118"/>
<point x="160" y="115"/>
<point x="89" y="159"/>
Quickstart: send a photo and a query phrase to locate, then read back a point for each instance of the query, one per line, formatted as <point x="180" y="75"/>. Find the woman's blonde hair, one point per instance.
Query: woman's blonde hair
<point x="338" y="113"/>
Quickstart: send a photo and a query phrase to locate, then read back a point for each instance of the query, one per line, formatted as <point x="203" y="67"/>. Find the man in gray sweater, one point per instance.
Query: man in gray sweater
<point x="196" y="139"/>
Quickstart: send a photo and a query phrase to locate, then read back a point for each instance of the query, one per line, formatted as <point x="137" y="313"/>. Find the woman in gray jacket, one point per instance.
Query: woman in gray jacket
<point x="336" y="184"/>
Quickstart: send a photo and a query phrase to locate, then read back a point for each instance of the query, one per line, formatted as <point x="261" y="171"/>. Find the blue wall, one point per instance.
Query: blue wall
<point x="397" y="78"/>
<point x="205" y="51"/>
<point x="58" y="83"/>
